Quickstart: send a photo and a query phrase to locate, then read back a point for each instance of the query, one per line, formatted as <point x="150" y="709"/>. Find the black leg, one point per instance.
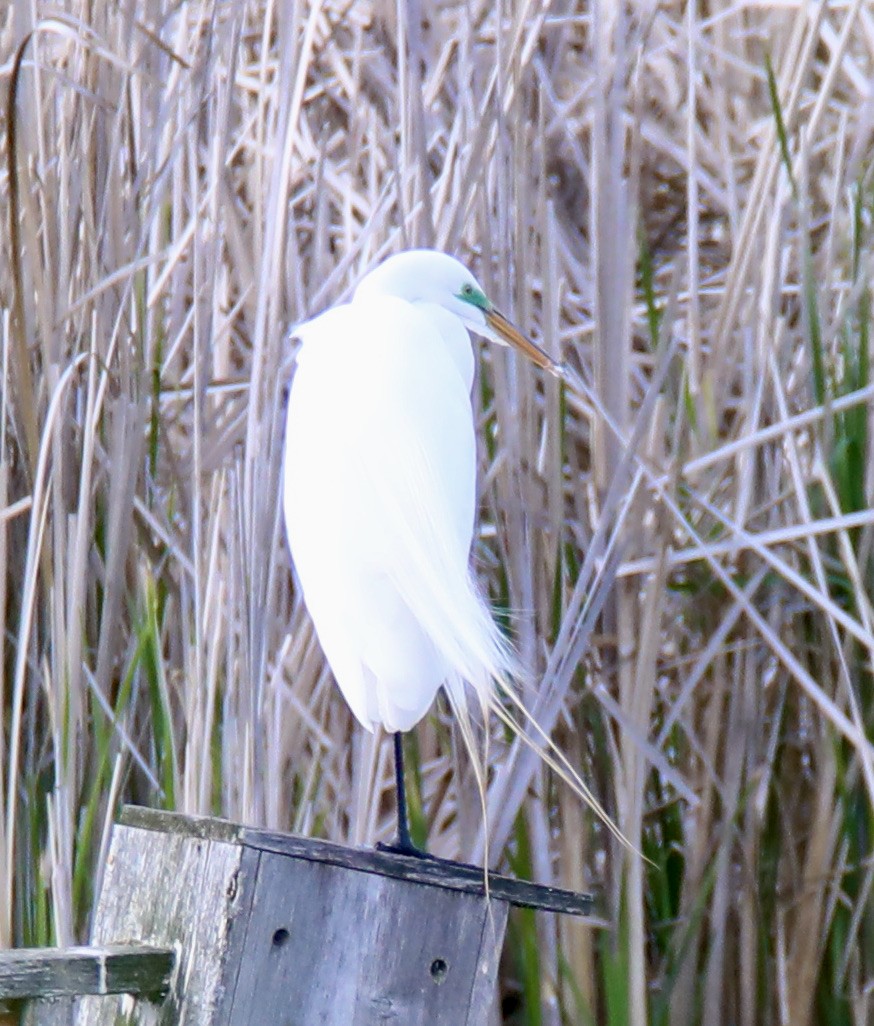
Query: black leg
<point x="403" y="844"/>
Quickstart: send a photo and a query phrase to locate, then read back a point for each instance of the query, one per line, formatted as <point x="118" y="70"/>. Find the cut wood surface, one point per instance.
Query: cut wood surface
<point x="67" y="972"/>
<point x="455" y="876"/>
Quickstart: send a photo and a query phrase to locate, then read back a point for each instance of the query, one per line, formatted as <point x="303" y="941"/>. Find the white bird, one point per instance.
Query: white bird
<point x="380" y="492"/>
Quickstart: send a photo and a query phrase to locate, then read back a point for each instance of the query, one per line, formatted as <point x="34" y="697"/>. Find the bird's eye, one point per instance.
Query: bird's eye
<point x="470" y="293"/>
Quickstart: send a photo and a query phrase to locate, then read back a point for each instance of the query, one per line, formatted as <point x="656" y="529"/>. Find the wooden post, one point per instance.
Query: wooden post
<point x="66" y="972"/>
<point x="50" y="978"/>
<point x="269" y="928"/>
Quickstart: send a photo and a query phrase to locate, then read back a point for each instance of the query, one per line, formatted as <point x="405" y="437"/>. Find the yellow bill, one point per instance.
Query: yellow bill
<point x="507" y="332"/>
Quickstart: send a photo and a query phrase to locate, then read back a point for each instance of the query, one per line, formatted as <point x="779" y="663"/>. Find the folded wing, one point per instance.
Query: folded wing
<point x="380" y="500"/>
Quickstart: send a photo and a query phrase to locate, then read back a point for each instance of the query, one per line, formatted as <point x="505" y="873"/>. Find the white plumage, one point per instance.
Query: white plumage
<point x="380" y="499"/>
<point x="380" y="489"/>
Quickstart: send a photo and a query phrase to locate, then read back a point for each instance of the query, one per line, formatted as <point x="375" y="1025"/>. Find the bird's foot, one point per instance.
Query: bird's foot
<point x="403" y="846"/>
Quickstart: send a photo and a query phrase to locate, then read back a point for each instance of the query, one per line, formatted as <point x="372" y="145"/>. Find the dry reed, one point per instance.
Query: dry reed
<point x="677" y="198"/>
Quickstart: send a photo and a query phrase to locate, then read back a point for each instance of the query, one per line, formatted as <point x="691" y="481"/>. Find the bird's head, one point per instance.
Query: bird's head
<point x="429" y="276"/>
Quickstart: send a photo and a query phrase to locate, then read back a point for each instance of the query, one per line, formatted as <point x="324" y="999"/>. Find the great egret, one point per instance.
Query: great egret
<point x="380" y="492"/>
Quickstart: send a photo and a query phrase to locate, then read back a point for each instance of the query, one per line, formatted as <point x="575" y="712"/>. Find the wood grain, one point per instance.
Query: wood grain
<point x="357" y="949"/>
<point x="63" y="972"/>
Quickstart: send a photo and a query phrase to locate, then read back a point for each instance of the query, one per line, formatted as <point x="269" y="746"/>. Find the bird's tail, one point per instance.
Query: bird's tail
<point x="465" y="633"/>
<point x="497" y="689"/>
<point x="435" y="583"/>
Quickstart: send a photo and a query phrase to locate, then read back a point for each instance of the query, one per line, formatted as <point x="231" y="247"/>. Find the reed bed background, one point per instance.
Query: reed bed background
<point x="676" y="199"/>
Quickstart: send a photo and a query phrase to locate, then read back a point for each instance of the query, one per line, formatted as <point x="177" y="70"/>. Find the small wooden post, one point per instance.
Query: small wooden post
<point x="67" y="972"/>
<point x="49" y="979"/>
<point x="269" y="928"/>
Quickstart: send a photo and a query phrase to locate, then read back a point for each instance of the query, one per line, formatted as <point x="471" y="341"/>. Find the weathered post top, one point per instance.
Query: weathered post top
<point x="271" y="928"/>
<point x="452" y="876"/>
